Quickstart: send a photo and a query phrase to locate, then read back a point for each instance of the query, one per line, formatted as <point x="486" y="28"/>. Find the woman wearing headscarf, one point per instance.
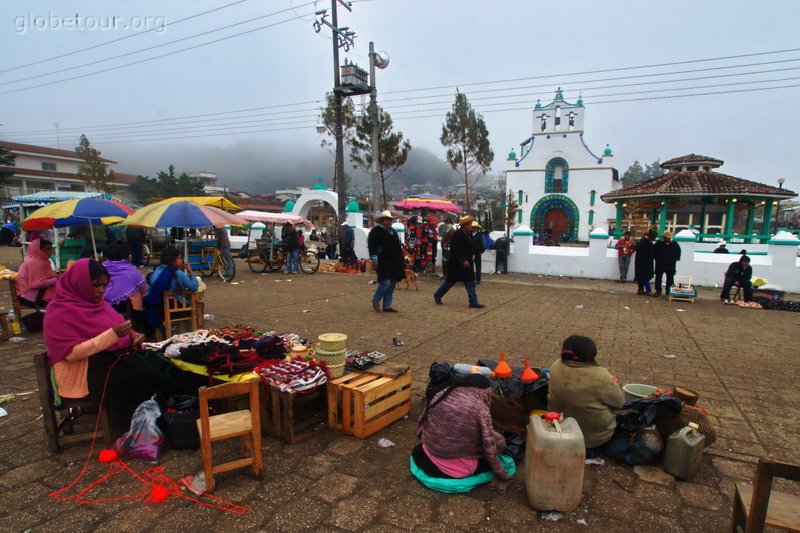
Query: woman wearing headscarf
<point x="36" y="281"/>
<point x="582" y="389"/>
<point x="88" y="344"/>
<point x="126" y="283"/>
<point x="456" y="433"/>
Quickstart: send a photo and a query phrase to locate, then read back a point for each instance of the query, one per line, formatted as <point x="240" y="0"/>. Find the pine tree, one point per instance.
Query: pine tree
<point x="6" y="162"/>
<point x="466" y="138"/>
<point x="327" y="117"/>
<point x="392" y="148"/>
<point x="94" y="170"/>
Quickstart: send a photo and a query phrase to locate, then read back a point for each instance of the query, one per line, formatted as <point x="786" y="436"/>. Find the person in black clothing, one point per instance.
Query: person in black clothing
<point x="738" y="274"/>
<point x="478" y="247"/>
<point x="720" y="249"/>
<point x="136" y="237"/>
<point x="502" y="247"/>
<point x="460" y="265"/>
<point x="387" y="258"/>
<point x="667" y="253"/>
<point x="292" y="243"/>
<point x="643" y="262"/>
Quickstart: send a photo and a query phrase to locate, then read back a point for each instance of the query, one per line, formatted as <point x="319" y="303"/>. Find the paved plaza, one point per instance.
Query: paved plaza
<point x="741" y="361"/>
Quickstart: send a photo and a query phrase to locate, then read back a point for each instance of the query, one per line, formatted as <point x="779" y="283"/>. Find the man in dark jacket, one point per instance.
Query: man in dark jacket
<point x="738" y="274"/>
<point x="348" y="256"/>
<point x="666" y="253"/>
<point x="720" y="249"/>
<point x="502" y="248"/>
<point x="478" y="247"/>
<point x="387" y="258"/>
<point x="460" y="265"/>
<point x="643" y="262"/>
<point x="292" y="242"/>
<point x="136" y="237"/>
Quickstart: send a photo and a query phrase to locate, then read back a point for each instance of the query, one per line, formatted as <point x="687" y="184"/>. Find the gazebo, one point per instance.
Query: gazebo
<point x="692" y="186"/>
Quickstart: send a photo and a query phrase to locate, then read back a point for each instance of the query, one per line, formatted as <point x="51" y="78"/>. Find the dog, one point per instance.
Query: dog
<point x="411" y="277"/>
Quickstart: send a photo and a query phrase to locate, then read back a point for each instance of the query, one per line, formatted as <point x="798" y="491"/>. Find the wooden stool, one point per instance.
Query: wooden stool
<point x="756" y="506"/>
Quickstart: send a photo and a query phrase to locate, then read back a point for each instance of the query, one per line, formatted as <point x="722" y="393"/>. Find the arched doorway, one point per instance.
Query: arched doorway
<point x="556" y="216"/>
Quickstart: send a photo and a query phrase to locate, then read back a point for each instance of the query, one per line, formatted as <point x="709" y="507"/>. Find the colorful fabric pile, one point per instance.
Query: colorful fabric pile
<point x="421" y="241"/>
<point x="297" y="375"/>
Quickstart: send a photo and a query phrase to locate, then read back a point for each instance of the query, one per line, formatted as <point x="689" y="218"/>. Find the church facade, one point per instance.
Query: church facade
<point x="558" y="179"/>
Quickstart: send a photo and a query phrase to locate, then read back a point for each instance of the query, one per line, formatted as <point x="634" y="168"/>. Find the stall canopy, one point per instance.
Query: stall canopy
<point x="273" y="218"/>
<point x="427" y="201"/>
<point x="219" y="202"/>
<point x="182" y="214"/>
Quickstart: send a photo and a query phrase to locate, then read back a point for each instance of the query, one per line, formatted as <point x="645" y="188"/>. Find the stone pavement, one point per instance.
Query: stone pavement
<point x="740" y="361"/>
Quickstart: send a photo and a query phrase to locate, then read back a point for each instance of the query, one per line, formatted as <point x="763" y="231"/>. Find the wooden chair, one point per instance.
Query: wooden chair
<point x="245" y="424"/>
<point x="756" y="506"/>
<point x="59" y="414"/>
<point x="180" y="307"/>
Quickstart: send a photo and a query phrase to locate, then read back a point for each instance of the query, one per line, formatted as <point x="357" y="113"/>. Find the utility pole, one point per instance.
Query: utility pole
<point x="342" y="38"/>
<point x="373" y="111"/>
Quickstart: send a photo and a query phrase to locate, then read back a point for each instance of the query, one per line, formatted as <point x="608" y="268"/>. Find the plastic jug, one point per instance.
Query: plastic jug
<point x="554" y="463"/>
<point x="684" y="452"/>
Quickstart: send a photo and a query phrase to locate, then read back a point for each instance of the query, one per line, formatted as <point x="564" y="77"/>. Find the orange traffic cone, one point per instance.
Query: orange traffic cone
<point x="502" y="370"/>
<point x="528" y="375"/>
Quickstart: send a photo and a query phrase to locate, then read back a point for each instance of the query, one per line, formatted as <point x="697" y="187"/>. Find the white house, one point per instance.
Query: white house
<point x="557" y="178"/>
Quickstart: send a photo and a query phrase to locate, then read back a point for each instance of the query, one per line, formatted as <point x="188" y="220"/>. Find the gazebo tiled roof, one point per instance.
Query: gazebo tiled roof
<point x="689" y="159"/>
<point x="697" y="184"/>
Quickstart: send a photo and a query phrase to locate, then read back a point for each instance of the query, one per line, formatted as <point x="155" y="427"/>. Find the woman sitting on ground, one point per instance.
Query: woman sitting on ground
<point x="87" y="345"/>
<point x="126" y="284"/>
<point x="585" y="391"/>
<point x="36" y="281"/>
<point x="457" y="436"/>
<point x="168" y="276"/>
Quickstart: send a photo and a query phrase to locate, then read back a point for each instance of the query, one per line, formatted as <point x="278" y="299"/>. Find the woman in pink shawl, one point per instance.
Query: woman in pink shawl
<point x="36" y="281"/>
<point x="88" y="345"/>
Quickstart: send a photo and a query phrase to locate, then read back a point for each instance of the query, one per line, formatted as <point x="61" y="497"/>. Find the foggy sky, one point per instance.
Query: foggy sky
<point x="431" y="44"/>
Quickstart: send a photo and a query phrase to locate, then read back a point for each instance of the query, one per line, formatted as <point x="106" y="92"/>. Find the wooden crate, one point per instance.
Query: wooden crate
<point x="292" y="416"/>
<point x="360" y="403"/>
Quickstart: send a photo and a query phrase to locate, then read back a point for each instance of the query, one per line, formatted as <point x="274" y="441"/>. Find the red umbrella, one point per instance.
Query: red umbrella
<point x="430" y="202"/>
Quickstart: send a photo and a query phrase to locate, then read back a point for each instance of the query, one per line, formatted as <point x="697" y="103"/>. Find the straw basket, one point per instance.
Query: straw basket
<point x="332" y="342"/>
<point x="300" y="351"/>
<point x="331" y="358"/>
<point x="336" y="371"/>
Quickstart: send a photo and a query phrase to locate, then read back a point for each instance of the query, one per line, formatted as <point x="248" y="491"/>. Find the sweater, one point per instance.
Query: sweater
<point x="70" y="373"/>
<point x="588" y="394"/>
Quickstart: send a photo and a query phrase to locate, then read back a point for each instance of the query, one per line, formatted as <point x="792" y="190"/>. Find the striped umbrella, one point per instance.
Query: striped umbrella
<point x="427" y="201"/>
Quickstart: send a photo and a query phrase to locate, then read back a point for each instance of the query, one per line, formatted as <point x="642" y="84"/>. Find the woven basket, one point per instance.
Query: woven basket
<point x="688" y="414"/>
<point x="332" y="342"/>
<point x="336" y="371"/>
<point x="331" y="359"/>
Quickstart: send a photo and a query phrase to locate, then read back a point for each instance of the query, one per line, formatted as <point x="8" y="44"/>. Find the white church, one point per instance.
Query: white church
<point x="558" y="179"/>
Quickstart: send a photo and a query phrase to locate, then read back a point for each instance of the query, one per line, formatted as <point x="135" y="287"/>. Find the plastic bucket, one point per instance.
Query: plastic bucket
<point x="637" y="391"/>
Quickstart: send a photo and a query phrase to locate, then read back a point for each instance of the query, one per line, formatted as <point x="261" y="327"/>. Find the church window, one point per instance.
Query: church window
<point x="556" y="176"/>
<point x="557" y="119"/>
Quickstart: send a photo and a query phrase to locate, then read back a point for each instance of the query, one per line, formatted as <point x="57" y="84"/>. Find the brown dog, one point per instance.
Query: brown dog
<point x="411" y="277"/>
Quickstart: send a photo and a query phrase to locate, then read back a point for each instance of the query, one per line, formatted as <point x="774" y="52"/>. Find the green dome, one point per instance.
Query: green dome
<point x="319" y="186"/>
<point x="608" y="151"/>
<point x="580" y="101"/>
<point x="287" y="208"/>
<point x="352" y="207"/>
<point x="512" y="154"/>
<point x="538" y="104"/>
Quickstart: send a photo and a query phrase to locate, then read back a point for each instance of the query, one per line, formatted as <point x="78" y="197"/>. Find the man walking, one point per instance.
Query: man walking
<point x="643" y="263"/>
<point x="478" y="247"/>
<point x="625" y="248"/>
<point x="224" y="247"/>
<point x="447" y="235"/>
<point x="666" y="253"/>
<point x="387" y="260"/>
<point x="460" y="265"/>
<point x="292" y="250"/>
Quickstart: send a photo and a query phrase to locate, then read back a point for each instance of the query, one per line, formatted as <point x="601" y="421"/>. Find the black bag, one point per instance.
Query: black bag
<point x="33" y="322"/>
<point x="179" y="416"/>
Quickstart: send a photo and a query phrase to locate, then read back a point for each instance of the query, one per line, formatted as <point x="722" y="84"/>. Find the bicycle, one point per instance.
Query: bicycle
<point x="259" y="260"/>
<point x="217" y="263"/>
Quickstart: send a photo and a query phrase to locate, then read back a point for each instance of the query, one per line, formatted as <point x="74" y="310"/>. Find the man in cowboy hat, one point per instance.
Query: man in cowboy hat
<point x="387" y="259"/>
<point x="460" y="265"/>
<point x="720" y="249"/>
<point x="667" y="253"/>
<point x="478" y="247"/>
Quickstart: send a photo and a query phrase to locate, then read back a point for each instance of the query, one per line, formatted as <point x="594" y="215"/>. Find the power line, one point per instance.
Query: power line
<point x="109" y="69"/>
<point x="100" y="45"/>
<point x="617" y="69"/>
<point x="141" y="50"/>
<point x="175" y="120"/>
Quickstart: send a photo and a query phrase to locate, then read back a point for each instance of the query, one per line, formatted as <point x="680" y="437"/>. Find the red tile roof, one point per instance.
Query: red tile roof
<point x="124" y="178"/>
<point x="44" y="150"/>
<point x="691" y="158"/>
<point x="697" y="184"/>
<point x="120" y="178"/>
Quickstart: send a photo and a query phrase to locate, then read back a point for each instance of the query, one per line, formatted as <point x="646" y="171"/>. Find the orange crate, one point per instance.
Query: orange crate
<point x="360" y="403"/>
<point x="292" y="416"/>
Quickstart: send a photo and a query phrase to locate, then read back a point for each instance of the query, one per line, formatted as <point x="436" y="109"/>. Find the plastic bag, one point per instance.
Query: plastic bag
<point x="144" y="439"/>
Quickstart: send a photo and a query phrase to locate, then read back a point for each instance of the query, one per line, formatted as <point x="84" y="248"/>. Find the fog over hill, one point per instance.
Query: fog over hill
<point x="258" y="168"/>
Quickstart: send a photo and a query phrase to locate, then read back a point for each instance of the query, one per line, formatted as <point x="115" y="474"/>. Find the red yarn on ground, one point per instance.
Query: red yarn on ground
<point x="158" y="494"/>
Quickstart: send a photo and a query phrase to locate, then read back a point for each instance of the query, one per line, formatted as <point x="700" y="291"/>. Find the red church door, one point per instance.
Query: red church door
<point x="555" y="223"/>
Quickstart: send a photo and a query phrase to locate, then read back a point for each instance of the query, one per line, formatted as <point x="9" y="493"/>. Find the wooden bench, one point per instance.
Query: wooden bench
<point x="756" y="506"/>
<point x="59" y="419"/>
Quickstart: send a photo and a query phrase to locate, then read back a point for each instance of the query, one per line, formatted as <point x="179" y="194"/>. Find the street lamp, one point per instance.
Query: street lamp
<point x="781" y="181"/>
<point x="380" y="60"/>
<point x="321" y="128"/>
